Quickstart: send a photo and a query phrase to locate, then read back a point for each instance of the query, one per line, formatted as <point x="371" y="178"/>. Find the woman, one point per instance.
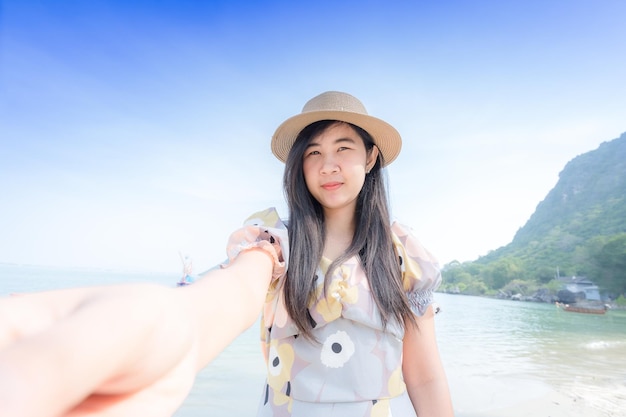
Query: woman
<point x="348" y="322"/>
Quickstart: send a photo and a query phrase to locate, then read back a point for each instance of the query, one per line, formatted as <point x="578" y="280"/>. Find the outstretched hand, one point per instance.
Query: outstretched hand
<point x="83" y="352"/>
<point x="127" y="350"/>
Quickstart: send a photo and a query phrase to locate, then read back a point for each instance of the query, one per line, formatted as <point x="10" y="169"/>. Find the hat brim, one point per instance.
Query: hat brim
<point x="385" y="136"/>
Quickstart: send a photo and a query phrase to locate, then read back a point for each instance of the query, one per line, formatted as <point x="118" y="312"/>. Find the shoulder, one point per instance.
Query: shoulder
<point x="262" y="230"/>
<point x="266" y="218"/>
<point x="403" y="236"/>
<point x="420" y="268"/>
<point x="265" y="225"/>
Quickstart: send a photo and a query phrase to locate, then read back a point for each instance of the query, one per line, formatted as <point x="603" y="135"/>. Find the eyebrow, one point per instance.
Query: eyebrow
<point x="337" y="141"/>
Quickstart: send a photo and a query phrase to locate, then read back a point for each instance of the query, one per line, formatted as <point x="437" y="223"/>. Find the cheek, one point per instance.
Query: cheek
<point x="359" y="177"/>
<point x="358" y="173"/>
<point x="309" y="176"/>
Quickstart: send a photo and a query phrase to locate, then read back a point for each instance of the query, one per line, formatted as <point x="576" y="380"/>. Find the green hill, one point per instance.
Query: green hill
<point x="578" y="229"/>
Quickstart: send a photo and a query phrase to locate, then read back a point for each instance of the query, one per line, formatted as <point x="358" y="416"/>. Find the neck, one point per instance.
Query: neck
<point x="339" y="227"/>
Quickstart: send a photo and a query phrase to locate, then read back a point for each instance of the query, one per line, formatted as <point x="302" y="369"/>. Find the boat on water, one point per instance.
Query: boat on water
<point x="580" y="295"/>
<point x="186" y="279"/>
<point x="584" y="308"/>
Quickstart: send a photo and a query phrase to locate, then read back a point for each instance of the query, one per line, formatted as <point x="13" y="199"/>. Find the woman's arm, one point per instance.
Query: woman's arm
<point x="423" y="371"/>
<point x="122" y="350"/>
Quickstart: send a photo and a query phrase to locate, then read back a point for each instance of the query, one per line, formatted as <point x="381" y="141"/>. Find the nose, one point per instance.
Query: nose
<point x="329" y="165"/>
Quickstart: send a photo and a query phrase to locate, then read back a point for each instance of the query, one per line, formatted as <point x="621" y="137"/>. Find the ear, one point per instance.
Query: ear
<point x="372" y="157"/>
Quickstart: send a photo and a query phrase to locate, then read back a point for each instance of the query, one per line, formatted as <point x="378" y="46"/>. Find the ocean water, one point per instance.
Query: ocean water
<point x="497" y="353"/>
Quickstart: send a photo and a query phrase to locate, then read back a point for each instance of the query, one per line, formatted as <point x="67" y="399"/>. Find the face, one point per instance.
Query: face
<point x="335" y="164"/>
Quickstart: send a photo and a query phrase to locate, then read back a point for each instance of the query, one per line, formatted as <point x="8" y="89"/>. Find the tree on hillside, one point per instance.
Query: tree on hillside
<point x="611" y="262"/>
<point x="499" y="273"/>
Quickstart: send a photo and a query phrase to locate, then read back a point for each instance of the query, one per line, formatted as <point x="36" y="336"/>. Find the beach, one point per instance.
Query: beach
<point x="510" y="397"/>
<point x="560" y="404"/>
<point x="503" y="358"/>
<point x="534" y="360"/>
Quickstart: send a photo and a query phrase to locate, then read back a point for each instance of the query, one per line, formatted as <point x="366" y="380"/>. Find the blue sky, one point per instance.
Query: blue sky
<point x="132" y="131"/>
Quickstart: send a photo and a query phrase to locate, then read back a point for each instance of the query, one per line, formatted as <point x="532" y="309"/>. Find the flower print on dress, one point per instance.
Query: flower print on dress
<point x="337" y="350"/>
<point x="281" y="358"/>
<point x="380" y="408"/>
<point x="395" y="384"/>
<point x="339" y="291"/>
<point x="338" y="368"/>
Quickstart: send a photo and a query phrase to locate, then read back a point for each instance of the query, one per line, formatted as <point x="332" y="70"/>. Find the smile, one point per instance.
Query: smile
<point x="330" y="186"/>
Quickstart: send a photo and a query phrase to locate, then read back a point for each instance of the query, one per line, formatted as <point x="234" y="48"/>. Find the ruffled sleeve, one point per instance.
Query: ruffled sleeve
<point x="263" y="230"/>
<point x="420" y="270"/>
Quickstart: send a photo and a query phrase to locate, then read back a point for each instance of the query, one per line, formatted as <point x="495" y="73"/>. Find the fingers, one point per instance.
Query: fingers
<point x="61" y="347"/>
<point x="159" y="399"/>
<point x="24" y="315"/>
<point x="23" y="320"/>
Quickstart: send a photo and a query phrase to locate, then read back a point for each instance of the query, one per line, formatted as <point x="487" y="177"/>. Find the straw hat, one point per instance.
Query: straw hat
<point x="334" y="105"/>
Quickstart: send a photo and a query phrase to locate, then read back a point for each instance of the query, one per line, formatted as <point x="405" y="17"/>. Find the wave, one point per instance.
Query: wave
<point x="604" y="344"/>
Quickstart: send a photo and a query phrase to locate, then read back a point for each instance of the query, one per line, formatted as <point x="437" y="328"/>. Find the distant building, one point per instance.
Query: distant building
<point x="577" y="289"/>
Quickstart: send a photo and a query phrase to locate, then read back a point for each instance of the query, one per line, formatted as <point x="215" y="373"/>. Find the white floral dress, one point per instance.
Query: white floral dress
<point x="355" y="369"/>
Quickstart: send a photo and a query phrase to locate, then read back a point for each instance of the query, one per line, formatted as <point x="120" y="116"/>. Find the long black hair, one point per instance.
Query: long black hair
<point x="372" y="240"/>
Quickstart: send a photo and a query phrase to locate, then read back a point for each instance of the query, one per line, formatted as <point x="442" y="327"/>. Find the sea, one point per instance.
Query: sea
<point x="497" y="353"/>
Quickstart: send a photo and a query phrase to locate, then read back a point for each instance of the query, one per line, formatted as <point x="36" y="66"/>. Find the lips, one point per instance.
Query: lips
<point x="330" y="186"/>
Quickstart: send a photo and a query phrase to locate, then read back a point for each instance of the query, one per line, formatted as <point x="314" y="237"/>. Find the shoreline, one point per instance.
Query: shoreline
<point x="528" y="299"/>
<point x="522" y="397"/>
<point x="559" y="404"/>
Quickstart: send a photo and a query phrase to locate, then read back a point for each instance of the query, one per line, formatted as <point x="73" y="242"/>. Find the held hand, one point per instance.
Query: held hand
<point x="114" y="351"/>
<point x="119" y="351"/>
